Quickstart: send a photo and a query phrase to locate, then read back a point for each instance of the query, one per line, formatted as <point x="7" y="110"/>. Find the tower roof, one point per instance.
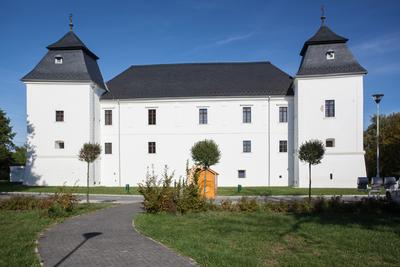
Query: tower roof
<point x="324" y="35"/>
<point x="70" y="41"/>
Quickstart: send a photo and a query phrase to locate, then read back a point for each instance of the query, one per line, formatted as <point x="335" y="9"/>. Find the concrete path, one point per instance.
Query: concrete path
<point x="104" y="238"/>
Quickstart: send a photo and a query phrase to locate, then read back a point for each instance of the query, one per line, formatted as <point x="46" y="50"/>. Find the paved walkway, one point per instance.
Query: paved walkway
<point x="104" y="238"/>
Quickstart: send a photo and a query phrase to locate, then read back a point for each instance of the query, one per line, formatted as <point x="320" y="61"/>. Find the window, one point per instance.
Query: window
<point x="59" y="115"/>
<point x="246" y="146"/>
<point x="152" y="147"/>
<point x="330" y="142"/>
<point x="107" y="148"/>
<point x="283" y="114"/>
<point x="282" y="146"/>
<point x="242" y="173"/>
<point x="246" y="114"/>
<point x="202" y="116"/>
<point x="58" y="59"/>
<point x="329" y="108"/>
<point x="108" y="117"/>
<point x="152" y="116"/>
<point x="59" y="144"/>
<point x="330" y="54"/>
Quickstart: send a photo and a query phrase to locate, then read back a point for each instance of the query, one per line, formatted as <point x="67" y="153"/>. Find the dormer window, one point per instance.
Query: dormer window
<point x="58" y="59"/>
<point x="330" y="54"/>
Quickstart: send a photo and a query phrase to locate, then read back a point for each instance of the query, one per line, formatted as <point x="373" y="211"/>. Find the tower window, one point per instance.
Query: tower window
<point x="151" y="116"/>
<point x="108" y="117"/>
<point x="283" y="114"/>
<point x="152" y="147"/>
<point x="246" y="146"/>
<point x="107" y="148"/>
<point x="59" y="115"/>
<point x="329" y="108"/>
<point x="59" y="144"/>
<point x="58" y="59"/>
<point x="283" y="146"/>
<point x="241" y="173"/>
<point x="330" y="54"/>
<point x="330" y="142"/>
<point x="246" y="114"/>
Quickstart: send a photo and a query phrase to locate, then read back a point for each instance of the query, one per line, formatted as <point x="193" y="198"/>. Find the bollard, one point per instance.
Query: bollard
<point x="239" y="188"/>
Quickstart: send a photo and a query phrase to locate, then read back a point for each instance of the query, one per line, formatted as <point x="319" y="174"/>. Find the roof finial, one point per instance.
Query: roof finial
<point x="323" y="17"/>
<point x="71" y="25"/>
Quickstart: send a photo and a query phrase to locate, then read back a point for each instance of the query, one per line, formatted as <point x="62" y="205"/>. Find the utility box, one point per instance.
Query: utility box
<point x="211" y="178"/>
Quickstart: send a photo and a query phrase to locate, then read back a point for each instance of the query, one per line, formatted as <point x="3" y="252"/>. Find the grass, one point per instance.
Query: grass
<point x="278" y="239"/>
<point x="20" y="229"/>
<point x="222" y="191"/>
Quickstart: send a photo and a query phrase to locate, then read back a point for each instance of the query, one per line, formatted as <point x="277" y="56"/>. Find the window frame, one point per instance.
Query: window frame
<point x="58" y="59"/>
<point x="283" y="146"/>
<point x="59" y="116"/>
<point x="330" y="140"/>
<point x="152" y="116"/>
<point x="330" y="108"/>
<point x="243" y="172"/>
<point x="108" y="148"/>
<point x="246" y="114"/>
<point x="108" y="117"/>
<point x="283" y="114"/>
<point x="59" y="144"/>
<point x="203" y="115"/>
<point x="246" y="146"/>
<point x="151" y="147"/>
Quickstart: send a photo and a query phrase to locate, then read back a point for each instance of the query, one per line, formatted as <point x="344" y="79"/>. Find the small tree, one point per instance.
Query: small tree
<point x="89" y="153"/>
<point x="311" y="152"/>
<point x="205" y="153"/>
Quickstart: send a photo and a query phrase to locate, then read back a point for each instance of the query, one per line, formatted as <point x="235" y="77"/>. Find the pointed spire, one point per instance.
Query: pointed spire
<point x="323" y="17"/>
<point x="71" y="25"/>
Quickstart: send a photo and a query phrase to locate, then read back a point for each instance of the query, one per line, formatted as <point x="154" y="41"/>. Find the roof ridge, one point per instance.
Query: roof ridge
<point x="202" y="63"/>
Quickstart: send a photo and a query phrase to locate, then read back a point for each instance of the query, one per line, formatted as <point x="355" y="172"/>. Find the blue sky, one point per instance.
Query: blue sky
<point x="124" y="33"/>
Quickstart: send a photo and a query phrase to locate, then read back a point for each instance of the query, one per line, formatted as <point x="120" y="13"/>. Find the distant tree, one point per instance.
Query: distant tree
<point x="389" y="145"/>
<point x="6" y="145"/>
<point x="311" y="152"/>
<point x="205" y="153"/>
<point x="19" y="155"/>
<point x="89" y="153"/>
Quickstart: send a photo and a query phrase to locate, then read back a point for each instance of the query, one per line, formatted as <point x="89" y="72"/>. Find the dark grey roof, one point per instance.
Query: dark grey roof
<point x="199" y="80"/>
<point x="78" y="64"/>
<point x="314" y="61"/>
<point x="70" y="41"/>
<point x="324" y="35"/>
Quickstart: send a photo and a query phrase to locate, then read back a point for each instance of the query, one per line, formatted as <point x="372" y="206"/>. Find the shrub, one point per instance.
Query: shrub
<point x="247" y="204"/>
<point x="20" y="203"/>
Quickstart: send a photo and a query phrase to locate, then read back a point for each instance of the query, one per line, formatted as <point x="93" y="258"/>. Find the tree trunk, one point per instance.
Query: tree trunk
<point x="87" y="184"/>
<point x="309" y="179"/>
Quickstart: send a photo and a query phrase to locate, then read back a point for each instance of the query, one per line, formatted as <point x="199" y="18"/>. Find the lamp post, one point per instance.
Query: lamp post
<point x="377" y="98"/>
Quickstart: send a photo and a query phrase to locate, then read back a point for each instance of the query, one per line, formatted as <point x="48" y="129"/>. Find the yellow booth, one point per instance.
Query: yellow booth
<point x="211" y="183"/>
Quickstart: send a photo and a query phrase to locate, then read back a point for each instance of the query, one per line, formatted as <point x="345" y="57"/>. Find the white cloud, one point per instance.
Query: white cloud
<point x="225" y="41"/>
<point x="380" y="45"/>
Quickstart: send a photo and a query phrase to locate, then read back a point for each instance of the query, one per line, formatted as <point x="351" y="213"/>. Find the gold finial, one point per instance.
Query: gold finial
<point x="71" y="25"/>
<point x="323" y="17"/>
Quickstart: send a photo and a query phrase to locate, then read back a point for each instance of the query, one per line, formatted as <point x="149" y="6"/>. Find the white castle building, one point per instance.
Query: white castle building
<point x="152" y="115"/>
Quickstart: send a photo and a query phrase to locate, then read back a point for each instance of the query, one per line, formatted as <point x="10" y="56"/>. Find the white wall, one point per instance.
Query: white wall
<point x="346" y="160"/>
<point x="178" y="128"/>
<point x="46" y="164"/>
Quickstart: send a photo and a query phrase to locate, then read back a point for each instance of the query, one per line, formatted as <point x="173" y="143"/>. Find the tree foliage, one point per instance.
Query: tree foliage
<point x="19" y="155"/>
<point x="312" y="152"/>
<point x="206" y="153"/>
<point x="89" y="152"/>
<point x="6" y="145"/>
<point x="389" y="145"/>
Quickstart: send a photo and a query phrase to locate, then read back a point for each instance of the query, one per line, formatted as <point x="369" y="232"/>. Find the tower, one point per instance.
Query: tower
<point x="63" y="107"/>
<point x="329" y="107"/>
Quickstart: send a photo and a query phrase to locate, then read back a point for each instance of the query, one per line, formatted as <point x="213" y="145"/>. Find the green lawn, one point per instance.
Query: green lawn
<point x="222" y="191"/>
<point x="273" y="239"/>
<point x="20" y="229"/>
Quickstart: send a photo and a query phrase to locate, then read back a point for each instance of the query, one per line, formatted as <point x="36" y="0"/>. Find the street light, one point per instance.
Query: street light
<point x="377" y="98"/>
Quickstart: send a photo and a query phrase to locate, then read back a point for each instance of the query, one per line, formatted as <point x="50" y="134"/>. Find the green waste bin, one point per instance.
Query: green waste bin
<point x="127" y="188"/>
<point x="239" y="188"/>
